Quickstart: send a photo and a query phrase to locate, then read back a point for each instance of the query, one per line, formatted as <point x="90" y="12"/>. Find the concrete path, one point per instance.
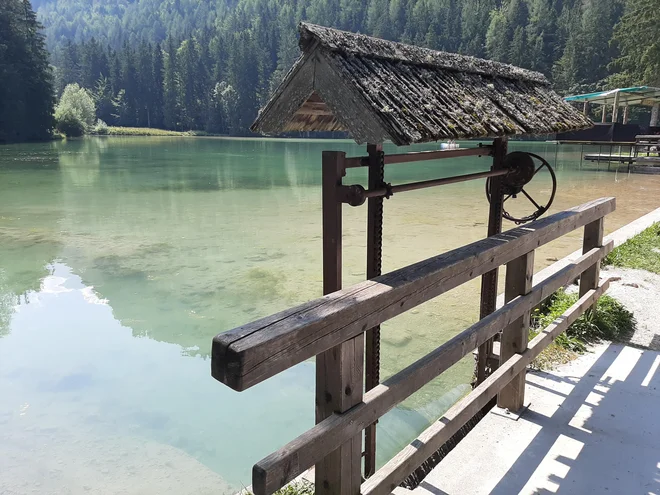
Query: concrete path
<point x="593" y="426"/>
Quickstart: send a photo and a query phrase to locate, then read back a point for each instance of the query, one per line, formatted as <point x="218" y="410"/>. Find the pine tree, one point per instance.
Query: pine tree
<point x="638" y="38"/>
<point x="170" y="109"/>
<point x="498" y="36"/>
<point x="26" y="87"/>
<point x="157" y="88"/>
<point x="474" y="17"/>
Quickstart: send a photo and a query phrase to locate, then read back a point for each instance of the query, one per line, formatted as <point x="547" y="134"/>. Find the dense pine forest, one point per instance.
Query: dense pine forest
<point x="26" y="91"/>
<point x="210" y="64"/>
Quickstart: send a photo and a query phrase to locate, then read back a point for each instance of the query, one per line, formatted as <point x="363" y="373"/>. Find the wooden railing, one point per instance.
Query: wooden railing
<point x="254" y="352"/>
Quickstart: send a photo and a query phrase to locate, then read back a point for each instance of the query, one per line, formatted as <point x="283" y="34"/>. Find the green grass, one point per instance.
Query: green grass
<point x="148" y="131"/>
<point x="638" y="251"/>
<point x="610" y="321"/>
<point x="302" y="487"/>
<point x="142" y="131"/>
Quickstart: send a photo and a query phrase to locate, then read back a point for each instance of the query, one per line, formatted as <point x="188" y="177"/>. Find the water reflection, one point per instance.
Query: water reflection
<point x="72" y="375"/>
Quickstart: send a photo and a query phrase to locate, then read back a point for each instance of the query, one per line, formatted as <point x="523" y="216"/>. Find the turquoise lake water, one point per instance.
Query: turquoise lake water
<point x="121" y="258"/>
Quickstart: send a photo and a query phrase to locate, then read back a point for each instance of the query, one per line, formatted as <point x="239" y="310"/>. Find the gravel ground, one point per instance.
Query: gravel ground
<point x="639" y="292"/>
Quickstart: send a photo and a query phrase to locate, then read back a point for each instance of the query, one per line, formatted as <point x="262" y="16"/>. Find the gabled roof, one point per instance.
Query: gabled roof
<point x="639" y="95"/>
<point x="379" y="90"/>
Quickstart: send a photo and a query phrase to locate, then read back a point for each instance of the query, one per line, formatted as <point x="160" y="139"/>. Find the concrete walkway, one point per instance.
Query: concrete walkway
<point x="593" y="426"/>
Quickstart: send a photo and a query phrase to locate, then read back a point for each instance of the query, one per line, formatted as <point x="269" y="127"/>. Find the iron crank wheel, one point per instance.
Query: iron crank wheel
<point x="522" y="169"/>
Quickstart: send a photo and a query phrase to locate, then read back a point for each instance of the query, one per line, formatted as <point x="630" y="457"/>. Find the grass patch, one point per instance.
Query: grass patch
<point x="142" y="131"/>
<point x="611" y="321"/>
<point x="638" y="251"/>
<point x="302" y="487"/>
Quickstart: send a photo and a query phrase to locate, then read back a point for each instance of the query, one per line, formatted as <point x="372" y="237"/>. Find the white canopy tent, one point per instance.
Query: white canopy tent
<point x="626" y="97"/>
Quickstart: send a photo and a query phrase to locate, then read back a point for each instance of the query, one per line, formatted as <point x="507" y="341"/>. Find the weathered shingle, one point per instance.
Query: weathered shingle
<point x="378" y="90"/>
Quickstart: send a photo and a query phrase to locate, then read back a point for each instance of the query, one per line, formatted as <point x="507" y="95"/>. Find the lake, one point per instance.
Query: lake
<point x="121" y="258"/>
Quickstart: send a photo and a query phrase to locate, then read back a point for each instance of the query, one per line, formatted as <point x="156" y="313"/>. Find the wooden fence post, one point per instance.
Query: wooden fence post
<point x="339" y="371"/>
<point x="489" y="280"/>
<point x="593" y="237"/>
<point x="519" y="275"/>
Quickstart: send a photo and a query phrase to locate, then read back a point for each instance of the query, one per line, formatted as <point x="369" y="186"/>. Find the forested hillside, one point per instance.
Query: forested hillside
<point x="26" y="92"/>
<point x="209" y="64"/>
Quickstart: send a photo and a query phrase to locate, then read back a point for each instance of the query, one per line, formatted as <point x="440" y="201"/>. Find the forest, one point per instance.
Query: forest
<point x="209" y="65"/>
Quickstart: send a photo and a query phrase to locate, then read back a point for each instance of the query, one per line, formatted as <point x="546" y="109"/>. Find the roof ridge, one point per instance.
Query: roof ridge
<point x="367" y="46"/>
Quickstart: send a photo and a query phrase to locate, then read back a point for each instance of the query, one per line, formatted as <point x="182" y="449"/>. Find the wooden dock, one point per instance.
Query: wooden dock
<point x="643" y="156"/>
<point x="607" y="157"/>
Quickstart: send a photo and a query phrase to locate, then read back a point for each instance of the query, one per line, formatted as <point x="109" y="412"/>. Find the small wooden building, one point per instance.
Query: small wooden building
<point x="379" y="90"/>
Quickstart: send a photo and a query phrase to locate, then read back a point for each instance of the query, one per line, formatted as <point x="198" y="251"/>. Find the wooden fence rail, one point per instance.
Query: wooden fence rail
<point x="252" y="353"/>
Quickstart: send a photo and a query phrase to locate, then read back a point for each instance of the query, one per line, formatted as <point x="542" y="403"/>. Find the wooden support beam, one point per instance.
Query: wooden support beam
<point x="626" y="114"/>
<point x="585" y="108"/>
<point x="519" y="274"/>
<point x="615" y="107"/>
<point x="254" y="352"/>
<point x="593" y="237"/>
<point x="489" y="280"/>
<point x="339" y="370"/>
<point x="282" y="466"/>
<point x="376" y="179"/>
<point x="603" y="117"/>
<point x="655" y="115"/>
<point x="395" y="471"/>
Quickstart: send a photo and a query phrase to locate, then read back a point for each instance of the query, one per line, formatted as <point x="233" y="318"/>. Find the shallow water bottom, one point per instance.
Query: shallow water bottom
<point x="121" y="258"/>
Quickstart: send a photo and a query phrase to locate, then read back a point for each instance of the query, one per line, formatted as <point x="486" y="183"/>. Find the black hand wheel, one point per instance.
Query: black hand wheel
<point x="522" y="169"/>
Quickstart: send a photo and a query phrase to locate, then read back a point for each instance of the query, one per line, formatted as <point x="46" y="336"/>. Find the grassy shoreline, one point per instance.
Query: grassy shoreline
<point x="641" y="252"/>
<point x="143" y="131"/>
<point x="612" y="320"/>
<point x="149" y="131"/>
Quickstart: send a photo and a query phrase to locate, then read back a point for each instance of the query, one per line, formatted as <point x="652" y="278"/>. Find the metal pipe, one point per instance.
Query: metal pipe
<point x="363" y="161"/>
<point x="376" y="193"/>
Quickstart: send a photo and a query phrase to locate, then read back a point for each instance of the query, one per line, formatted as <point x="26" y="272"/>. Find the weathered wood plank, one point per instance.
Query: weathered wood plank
<point x="519" y="274"/>
<point x="290" y="95"/>
<point x="389" y="476"/>
<point x="274" y="471"/>
<point x="254" y="352"/>
<point x="339" y="370"/>
<point x="593" y="237"/>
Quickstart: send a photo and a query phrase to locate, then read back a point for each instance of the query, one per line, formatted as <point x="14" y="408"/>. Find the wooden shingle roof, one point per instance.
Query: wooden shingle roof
<point x="380" y="90"/>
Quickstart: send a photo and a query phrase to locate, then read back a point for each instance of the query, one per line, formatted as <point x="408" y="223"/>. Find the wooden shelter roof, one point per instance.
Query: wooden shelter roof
<point x="380" y="90"/>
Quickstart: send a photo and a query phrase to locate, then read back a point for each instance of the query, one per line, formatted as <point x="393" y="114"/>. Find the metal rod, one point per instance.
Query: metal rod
<point x="363" y="161"/>
<point x="377" y="193"/>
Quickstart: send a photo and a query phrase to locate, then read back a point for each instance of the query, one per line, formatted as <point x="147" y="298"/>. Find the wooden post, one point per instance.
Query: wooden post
<point x="603" y="117"/>
<point x="585" y="108"/>
<point x="489" y="280"/>
<point x="374" y="268"/>
<point x="626" y="114"/>
<point x="519" y="274"/>
<point x="339" y="370"/>
<point x="593" y="237"/>
<point x="615" y="108"/>
<point x="655" y="113"/>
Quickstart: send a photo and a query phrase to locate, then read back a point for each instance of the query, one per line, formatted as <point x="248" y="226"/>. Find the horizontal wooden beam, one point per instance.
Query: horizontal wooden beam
<point x="403" y="464"/>
<point x="248" y="355"/>
<point x="274" y="471"/>
<point x="418" y="156"/>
